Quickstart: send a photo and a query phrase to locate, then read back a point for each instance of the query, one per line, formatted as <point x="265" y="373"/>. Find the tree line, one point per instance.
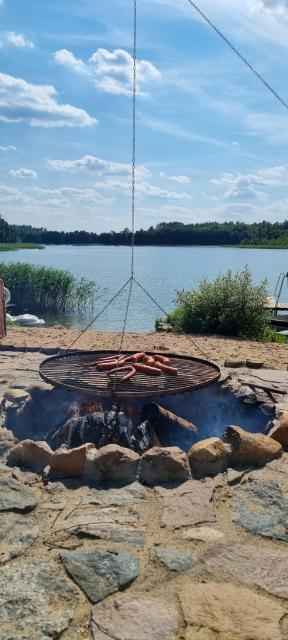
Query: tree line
<point x="164" y="233"/>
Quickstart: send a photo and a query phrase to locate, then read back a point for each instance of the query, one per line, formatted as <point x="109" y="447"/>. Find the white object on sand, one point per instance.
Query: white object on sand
<point x="26" y="320"/>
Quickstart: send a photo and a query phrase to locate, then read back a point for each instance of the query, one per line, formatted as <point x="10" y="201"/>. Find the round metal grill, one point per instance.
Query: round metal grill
<point x="69" y="371"/>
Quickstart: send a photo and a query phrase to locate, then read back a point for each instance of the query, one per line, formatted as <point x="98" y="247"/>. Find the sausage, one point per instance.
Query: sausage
<point x="129" y="375"/>
<point x="172" y="371"/>
<point x="107" y="366"/>
<point x="121" y="367"/>
<point x="149" y="360"/>
<point x="162" y="359"/>
<point x="136" y="357"/>
<point x="145" y="368"/>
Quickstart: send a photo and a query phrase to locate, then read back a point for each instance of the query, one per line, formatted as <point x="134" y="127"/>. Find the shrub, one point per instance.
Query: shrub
<point x="230" y="305"/>
<point x="46" y="289"/>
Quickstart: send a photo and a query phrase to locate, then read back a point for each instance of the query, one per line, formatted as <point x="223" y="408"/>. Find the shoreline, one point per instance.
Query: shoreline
<point x="214" y="348"/>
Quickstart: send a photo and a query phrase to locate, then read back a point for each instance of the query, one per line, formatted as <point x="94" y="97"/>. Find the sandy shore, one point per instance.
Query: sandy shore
<point x="213" y="348"/>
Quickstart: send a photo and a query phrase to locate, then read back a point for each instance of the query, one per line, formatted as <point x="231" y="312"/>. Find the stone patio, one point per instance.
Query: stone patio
<point x="206" y="560"/>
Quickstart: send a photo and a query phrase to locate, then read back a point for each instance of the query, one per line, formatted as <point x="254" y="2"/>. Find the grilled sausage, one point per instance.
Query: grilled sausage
<point x="147" y="370"/>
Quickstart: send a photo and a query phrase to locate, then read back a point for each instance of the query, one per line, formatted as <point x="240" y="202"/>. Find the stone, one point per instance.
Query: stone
<point x="113" y="463"/>
<point x="267" y="379"/>
<point x="16" y="396"/>
<point x="99" y="573"/>
<point x="112" y="533"/>
<point x="234" y="363"/>
<point x="279" y="431"/>
<point x="7" y="439"/>
<point x="70" y="462"/>
<point x="36" y="601"/>
<point x="209" y="457"/>
<point x="164" y="465"/>
<point x="255" y="364"/>
<point x="16" y="535"/>
<point x="15" y="496"/>
<point x="188" y="505"/>
<point x="32" y="454"/>
<point x="251" y="448"/>
<point x="137" y="616"/>
<point x="254" y="566"/>
<point x="203" y="534"/>
<point x="262" y="509"/>
<point x="234" y="476"/>
<point x="228" y="612"/>
<point x="176" y="559"/>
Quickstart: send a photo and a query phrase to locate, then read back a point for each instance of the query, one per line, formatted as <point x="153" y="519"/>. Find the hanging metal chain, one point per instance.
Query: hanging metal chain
<point x="134" y="98"/>
<point x="166" y="314"/>
<point x="238" y="54"/>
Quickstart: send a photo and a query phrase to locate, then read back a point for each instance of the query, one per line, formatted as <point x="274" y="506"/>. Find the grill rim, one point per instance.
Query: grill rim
<point x="120" y="393"/>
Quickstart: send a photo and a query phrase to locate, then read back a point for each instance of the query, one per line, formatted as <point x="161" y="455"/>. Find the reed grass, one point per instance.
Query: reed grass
<point x="14" y="246"/>
<point x="40" y="288"/>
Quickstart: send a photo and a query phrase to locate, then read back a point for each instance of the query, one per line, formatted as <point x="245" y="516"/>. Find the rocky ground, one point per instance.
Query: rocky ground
<point x="204" y="560"/>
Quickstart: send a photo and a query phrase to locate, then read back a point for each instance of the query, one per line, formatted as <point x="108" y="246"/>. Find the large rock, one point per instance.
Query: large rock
<point x="28" y="453"/>
<point x="113" y="463"/>
<point x="100" y="573"/>
<point x="135" y="616"/>
<point x="252" y="565"/>
<point x="176" y="559"/>
<point x="71" y="462"/>
<point x="188" y="505"/>
<point x="209" y="457"/>
<point x="14" y="496"/>
<point x="226" y="612"/>
<point x="164" y="465"/>
<point x="279" y="431"/>
<point x="16" y="396"/>
<point x="16" y="535"/>
<point x="36" y="601"/>
<point x="262" y="509"/>
<point x="7" y="440"/>
<point x="251" y="448"/>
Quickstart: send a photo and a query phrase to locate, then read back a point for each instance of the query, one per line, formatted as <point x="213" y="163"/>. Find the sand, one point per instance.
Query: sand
<point x="213" y="348"/>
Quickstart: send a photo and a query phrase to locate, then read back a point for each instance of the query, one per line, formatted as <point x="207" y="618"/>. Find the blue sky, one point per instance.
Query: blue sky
<point x="211" y="141"/>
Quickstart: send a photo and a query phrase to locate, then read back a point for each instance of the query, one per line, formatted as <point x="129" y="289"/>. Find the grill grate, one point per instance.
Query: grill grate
<point x="68" y="371"/>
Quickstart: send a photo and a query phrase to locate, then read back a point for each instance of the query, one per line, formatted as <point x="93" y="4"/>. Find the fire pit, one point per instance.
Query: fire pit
<point x="69" y="371"/>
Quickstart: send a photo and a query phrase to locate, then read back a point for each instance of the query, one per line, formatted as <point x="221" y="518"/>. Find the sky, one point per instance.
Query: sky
<point x="211" y="140"/>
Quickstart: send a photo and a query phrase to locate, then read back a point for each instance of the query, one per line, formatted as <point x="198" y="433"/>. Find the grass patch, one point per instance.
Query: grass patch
<point x="46" y="289"/>
<point x="6" y="246"/>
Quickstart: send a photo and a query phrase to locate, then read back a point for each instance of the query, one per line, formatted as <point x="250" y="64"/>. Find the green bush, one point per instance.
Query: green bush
<point x="46" y="289"/>
<point x="230" y="305"/>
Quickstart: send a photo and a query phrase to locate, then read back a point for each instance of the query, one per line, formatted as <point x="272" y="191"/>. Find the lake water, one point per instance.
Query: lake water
<point x="162" y="270"/>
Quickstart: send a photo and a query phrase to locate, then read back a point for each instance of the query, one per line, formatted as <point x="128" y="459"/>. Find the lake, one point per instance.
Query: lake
<point x="162" y="270"/>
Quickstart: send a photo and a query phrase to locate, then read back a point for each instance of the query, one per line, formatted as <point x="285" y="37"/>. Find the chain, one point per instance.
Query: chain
<point x="118" y="293"/>
<point x="239" y="55"/>
<point x="166" y="314"/>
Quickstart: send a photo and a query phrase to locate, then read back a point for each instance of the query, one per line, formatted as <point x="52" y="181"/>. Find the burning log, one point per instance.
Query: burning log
<point x="161" y="418"/>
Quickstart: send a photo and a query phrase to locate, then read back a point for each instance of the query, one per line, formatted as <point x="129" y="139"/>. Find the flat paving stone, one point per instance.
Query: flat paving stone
<point x="254" y="566"/>
<point x="132" y="617"/>
<point x="36" y="601"/>
<point x="17" y="534"/>
<point x="203" y="534"/>
<point x="100" y="573"/>
<point x="262" y="509"/>
<point x="113" y="533"/>
<point x="15" y="496"/>
<point x="227" y="612"/>
<point x="176" y="559"/>
<point x="188" y="505"/>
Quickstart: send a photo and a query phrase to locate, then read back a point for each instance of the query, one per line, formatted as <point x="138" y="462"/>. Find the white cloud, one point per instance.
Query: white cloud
<point x="110" y="71"/>
<point x="179" y="179"/>
<point x="81" y="195"/>
<point x="142" y="189"/>
<point x="16" y="40"/>
<point x="96" y="165"/>
<point x="21" y="101"/>
<point x="246" y="186"/>
<point x="10" y="147"/>
<point x="23" y="173"/>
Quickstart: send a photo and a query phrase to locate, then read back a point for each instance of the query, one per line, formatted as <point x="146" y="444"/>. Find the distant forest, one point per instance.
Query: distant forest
<point x="166" y="233"/>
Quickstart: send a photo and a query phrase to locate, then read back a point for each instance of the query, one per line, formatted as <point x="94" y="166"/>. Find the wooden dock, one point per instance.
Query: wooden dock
<point x="2" y="312"/>
<point x="274" y="306"/>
